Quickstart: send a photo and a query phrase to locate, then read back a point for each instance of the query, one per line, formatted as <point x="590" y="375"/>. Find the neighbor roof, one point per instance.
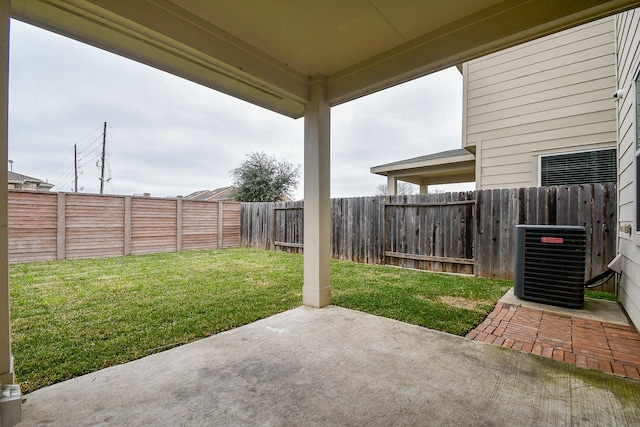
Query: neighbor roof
<point x="445" y="167"/>
<point x="17" y="178"/>
<point x="222" y="193"/>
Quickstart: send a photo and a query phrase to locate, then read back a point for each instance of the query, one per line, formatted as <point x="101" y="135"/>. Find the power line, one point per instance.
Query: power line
<point x="89" y="153"/>
<point x="67" y="158"/>
<point x="97" y="156"/>
<point x="91" y="144"/>
<point x="65" y="173"/>
<point x="81" y="157"/>
<point x="67" y="178"/>
<point x="87" y="135"/>
<point x="63" y="161"/>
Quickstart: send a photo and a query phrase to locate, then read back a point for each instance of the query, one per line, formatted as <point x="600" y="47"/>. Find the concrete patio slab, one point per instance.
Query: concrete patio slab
<point x="337" y="367"/>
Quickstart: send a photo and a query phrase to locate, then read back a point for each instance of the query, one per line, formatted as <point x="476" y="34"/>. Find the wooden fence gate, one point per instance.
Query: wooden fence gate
<point x="437" y="235"/>
<point x="288" y="226"/>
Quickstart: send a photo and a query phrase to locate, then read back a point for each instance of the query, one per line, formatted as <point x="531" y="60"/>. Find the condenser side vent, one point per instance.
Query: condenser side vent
<point x="550" y="264"/>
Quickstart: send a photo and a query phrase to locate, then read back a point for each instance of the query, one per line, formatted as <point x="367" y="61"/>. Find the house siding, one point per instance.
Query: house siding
<point x="551" y="95"/>
<point x="628" y="66"/>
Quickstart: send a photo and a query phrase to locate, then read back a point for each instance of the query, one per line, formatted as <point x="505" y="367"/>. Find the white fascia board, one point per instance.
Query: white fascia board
<point x="444" y="161"/>
<point x="168" y="38"/>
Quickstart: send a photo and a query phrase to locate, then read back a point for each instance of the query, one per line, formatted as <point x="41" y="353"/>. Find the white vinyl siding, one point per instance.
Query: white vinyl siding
<point x="628" y="67"/>
<point x="549" y="96"/>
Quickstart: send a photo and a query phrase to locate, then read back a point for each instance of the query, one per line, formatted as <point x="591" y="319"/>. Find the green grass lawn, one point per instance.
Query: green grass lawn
<point x="74" y="317"/>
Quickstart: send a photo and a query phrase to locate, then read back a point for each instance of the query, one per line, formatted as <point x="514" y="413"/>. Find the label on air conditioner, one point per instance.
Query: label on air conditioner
<point x="552" y="240"/>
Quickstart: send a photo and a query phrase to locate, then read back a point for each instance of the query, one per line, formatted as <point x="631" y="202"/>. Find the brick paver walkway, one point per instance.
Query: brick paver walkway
<point x="586" y="343"/>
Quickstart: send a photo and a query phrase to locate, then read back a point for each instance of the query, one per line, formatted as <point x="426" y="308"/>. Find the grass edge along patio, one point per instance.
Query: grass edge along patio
<point x="73" y="317"/>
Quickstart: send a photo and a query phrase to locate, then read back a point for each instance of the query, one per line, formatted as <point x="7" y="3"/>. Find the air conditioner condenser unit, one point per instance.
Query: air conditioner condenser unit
<point x="550" y="264"/>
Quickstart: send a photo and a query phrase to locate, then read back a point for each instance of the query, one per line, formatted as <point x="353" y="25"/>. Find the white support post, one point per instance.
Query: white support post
<point x="6" y="374"/>
<point x="392" y="185"/>
<point x="424" y="187"/>
<point x="10" y="396"/>
<point x="316" y="291"/>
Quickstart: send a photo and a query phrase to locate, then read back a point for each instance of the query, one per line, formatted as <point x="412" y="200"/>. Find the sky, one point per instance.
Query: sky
<point x="167" y="136"/>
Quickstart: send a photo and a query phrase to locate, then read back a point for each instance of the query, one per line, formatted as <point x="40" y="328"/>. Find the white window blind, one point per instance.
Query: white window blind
<point x="585" y="167"/>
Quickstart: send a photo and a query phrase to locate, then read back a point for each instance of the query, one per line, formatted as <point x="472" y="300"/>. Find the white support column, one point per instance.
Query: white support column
<point x="424" y="188"/>
<point x="10" y="396"/>
<point x="316" y="291"/>
<point x="479" y="165"/>
<point x="392" y="185"/>
<point x="6" y="368"/>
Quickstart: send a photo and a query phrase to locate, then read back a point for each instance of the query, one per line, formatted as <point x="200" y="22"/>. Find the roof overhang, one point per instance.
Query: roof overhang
<point x="266" y="51"/>
<point x="440" y="170"/>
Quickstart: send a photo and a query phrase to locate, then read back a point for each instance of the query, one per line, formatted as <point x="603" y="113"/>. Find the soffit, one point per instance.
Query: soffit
<point x="325" y="37"/>
<point x="266" y="51"/>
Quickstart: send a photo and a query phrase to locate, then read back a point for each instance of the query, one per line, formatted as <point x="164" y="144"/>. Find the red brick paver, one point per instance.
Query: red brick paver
<point x="585" y="343"/>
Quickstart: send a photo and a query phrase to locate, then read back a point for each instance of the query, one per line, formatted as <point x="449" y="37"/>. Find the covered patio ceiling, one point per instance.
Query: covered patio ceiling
<point x="266" y="51"/>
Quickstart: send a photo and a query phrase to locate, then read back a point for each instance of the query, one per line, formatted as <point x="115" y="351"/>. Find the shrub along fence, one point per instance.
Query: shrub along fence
<point x="464" y="232"/>
<point x="48" y="226"/>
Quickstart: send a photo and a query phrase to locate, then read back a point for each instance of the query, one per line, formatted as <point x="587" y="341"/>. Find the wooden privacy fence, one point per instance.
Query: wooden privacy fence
<point x="465" y="232"/>
<point x="48" y="226"/>
<point x="593" y="206"/>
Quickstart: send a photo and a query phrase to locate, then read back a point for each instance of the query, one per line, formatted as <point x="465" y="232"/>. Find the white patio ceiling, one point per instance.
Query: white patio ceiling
<point x="264" y="51"/>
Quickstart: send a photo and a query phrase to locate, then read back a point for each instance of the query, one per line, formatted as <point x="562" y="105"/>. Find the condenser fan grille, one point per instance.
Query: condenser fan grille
<point x="550" y="264"/>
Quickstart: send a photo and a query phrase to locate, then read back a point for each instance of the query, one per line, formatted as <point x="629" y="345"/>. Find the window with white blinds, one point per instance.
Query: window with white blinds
<point x="585" y="167"/>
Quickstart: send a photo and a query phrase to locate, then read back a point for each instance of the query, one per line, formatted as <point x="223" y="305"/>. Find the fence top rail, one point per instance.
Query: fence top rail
<point x="414" y="205"/>
<point x="117" y="196"/>
<point x="288" y="208"/>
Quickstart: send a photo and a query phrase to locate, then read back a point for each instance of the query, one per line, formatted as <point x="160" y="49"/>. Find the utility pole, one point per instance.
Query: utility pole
<point x="104" y="146"/>
<point x="75" y="165"/>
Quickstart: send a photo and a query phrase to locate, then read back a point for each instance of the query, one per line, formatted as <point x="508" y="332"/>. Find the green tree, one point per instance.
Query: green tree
<point x="262" y="178"/>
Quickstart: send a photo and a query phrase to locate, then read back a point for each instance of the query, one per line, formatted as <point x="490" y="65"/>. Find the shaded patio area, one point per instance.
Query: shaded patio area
<point x="322" y="367"/>
<point x="335" y="366"/>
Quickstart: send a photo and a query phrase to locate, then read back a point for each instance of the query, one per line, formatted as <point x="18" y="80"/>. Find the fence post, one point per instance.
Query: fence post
<point x="220" y="223"/>
<point x="127" y="225"/>
<point x="61" y="227"/>
<point x="273" y="225"/>
<point x="384" y="230"/>
<point x="178" y="223"/>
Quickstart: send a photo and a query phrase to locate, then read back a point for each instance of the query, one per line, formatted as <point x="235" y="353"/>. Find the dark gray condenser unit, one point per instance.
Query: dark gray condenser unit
<point x="550" y="264"/>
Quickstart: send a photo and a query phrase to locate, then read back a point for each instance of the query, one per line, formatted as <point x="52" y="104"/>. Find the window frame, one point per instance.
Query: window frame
<point x="562" y="153"/>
